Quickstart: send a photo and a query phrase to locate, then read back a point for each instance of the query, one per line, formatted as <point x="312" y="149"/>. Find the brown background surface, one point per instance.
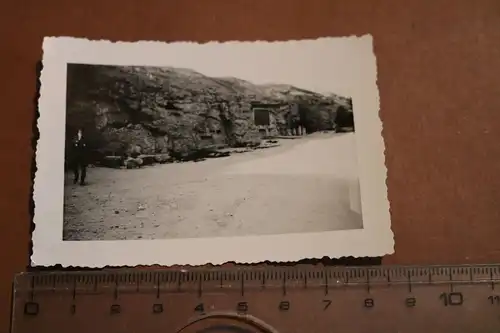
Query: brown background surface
<point x="439" y="82"/>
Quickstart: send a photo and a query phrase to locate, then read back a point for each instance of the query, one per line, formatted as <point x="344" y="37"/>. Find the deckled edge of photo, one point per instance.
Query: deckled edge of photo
<point x="375" y="240"/>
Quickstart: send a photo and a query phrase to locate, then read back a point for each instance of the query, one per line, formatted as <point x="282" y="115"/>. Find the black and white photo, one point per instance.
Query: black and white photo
<point x="186" y="153"/>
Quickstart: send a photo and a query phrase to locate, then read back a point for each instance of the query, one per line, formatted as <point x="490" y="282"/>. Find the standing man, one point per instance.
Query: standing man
<point x="79" y="158"/>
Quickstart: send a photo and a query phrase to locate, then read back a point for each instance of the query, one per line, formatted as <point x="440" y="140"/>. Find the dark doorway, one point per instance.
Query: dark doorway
<point x="262" y="117"/>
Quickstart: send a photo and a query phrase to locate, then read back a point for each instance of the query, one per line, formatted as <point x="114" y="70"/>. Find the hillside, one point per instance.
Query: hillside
<point x="174" y="111"/>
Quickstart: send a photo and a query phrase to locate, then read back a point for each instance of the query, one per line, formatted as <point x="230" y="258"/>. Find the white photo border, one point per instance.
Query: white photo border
<point x="375" y="239"/>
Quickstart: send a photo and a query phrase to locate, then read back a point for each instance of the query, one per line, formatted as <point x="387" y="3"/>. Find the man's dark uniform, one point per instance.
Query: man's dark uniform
<point x="80" y="160"/>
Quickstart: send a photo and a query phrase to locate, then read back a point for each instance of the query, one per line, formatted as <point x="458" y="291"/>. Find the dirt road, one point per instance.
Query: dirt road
<point x="305" y="185"/>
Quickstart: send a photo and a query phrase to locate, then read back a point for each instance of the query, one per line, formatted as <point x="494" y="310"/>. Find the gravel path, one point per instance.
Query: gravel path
<point x="304" y="185"/>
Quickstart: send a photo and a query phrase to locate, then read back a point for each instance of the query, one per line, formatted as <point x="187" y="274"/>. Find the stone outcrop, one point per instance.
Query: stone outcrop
<point x="175" y="112"/>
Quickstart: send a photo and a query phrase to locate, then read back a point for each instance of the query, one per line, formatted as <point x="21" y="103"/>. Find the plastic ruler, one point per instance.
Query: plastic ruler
<point x="268" y="299"/>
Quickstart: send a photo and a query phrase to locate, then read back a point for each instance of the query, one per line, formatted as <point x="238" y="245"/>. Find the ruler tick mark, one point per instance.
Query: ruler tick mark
<point x="326" y="284"/>
<point x="242" y="285"/>
<point x="32" y="289"/>
<point x="491" y="278"/>
<point x="284" y="286"/>
<point x="158" y="288"/>
<point x="200" y="287"/>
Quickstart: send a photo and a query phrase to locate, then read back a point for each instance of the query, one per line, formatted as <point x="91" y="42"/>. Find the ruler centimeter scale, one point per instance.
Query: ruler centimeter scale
<point x="269" y="299"/>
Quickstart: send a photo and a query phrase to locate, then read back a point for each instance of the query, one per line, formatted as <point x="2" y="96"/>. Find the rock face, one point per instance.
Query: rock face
<point x="126" y="110"/>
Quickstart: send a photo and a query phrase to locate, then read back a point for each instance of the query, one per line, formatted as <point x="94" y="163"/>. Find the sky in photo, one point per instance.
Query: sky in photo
<point x="325" y="65"/>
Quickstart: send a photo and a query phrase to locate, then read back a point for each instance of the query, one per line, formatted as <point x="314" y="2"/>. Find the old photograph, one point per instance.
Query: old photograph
<point x="166" y="152"/>
<point x="153" y="146"/>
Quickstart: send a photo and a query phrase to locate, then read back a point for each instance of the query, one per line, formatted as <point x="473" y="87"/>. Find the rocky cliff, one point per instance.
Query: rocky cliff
<point x="150" y="110"/>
